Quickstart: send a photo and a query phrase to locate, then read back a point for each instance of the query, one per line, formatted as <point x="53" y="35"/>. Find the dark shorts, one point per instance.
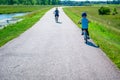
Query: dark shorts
<point x="86" y="31"/>
<point x="56" y="15"/>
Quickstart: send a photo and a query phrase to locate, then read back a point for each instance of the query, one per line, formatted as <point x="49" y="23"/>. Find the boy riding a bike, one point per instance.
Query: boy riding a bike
<point x="56" y="12"/>
<point x="84" y="21"/>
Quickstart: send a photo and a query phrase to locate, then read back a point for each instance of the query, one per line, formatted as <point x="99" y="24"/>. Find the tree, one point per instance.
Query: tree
<point x="104" y="11"/>
<point x="10" y="2"/>
<point x="49" y="2"/>
<point x="30" y="2"/>
<point x="115" y="11"/>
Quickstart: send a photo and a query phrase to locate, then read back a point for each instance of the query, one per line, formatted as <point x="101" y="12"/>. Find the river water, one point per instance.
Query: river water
<point x="9" y="16"/>
<point x="6" y="19"/>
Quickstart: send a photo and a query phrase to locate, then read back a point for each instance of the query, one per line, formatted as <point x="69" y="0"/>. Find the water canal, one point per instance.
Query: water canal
<point x="6" y="19"/>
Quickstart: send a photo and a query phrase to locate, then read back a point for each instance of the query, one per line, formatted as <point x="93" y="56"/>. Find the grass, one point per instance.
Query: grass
<point x="6" y="9"/>
<point x="104" y="34"/>
<point x="12" y="31"/>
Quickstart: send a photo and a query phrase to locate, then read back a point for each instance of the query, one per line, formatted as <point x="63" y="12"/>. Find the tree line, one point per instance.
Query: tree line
<point x="56" y="2"/>
<point x="29" y="2"/>
<point x="87" y="2"/>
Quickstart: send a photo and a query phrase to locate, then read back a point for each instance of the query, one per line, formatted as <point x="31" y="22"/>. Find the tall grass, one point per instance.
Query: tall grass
<point x="12" y="31"/>
<point x="107" y="37"/>
<point x="6" y="9"/>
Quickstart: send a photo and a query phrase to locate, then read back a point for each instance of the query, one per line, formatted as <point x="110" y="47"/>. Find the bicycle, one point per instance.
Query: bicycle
<point x="56" y="19"/>
<point x="85" y="36"/>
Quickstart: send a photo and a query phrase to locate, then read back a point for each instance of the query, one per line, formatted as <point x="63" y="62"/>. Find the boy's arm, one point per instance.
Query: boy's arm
<point x="89" y="21"/>
<point x="79" y="22"/>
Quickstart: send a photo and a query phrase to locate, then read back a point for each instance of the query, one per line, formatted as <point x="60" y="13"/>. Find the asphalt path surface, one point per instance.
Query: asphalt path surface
<point x="54" y="51"/>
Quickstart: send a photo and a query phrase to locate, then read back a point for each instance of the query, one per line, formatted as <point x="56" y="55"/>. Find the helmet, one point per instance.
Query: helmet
<point x="56" y="8"/>
<point x="84" y="14"/>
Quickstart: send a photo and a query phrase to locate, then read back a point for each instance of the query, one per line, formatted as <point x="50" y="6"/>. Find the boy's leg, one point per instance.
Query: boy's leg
<point x="82" y="31"/>
<point x="87" y="32"/>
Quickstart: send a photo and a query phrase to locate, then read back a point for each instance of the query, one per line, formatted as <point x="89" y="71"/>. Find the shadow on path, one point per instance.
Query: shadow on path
<point x="59" y="22"/>
<point x="92" y="44"/>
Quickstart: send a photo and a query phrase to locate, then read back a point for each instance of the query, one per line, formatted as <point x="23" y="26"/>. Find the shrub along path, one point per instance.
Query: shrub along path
<point x="54" y="51"/>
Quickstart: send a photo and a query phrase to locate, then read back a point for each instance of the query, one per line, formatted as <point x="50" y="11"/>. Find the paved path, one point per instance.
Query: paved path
<point x="54" y="51"/>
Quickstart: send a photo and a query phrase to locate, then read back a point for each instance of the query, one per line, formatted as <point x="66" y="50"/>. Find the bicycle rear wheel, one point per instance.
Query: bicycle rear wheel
<point x="85" y="36"/>
<point x="56" y="18"/>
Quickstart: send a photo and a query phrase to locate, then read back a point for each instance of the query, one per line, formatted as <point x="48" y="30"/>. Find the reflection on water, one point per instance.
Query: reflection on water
<point x="6" y="19"/>
<point x="9" y="16"/>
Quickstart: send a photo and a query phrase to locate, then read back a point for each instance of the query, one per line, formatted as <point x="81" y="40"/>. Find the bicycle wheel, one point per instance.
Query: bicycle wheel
<point x="85" y="36"/>
<point x="56" y="18"/>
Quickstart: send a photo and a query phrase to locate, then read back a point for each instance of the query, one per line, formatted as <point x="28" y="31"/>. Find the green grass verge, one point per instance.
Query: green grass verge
<point x="106" y="37"/>
<point x="12" y="31"/>
<point x="6" y="9"/>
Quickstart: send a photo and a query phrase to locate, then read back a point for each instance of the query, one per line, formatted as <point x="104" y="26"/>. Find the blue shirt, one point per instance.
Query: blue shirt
<point x="57" y="12"/>
<point x="84" y="22"/>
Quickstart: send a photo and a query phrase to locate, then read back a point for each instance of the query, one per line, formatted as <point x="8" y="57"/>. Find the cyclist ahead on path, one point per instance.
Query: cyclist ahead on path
<point x="56" y="12"/>
<point x="84" y="21"/>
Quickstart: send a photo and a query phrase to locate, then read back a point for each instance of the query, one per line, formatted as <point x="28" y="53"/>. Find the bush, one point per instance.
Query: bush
<point x="104" y="11"/>
<point x="115" y="11"/>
